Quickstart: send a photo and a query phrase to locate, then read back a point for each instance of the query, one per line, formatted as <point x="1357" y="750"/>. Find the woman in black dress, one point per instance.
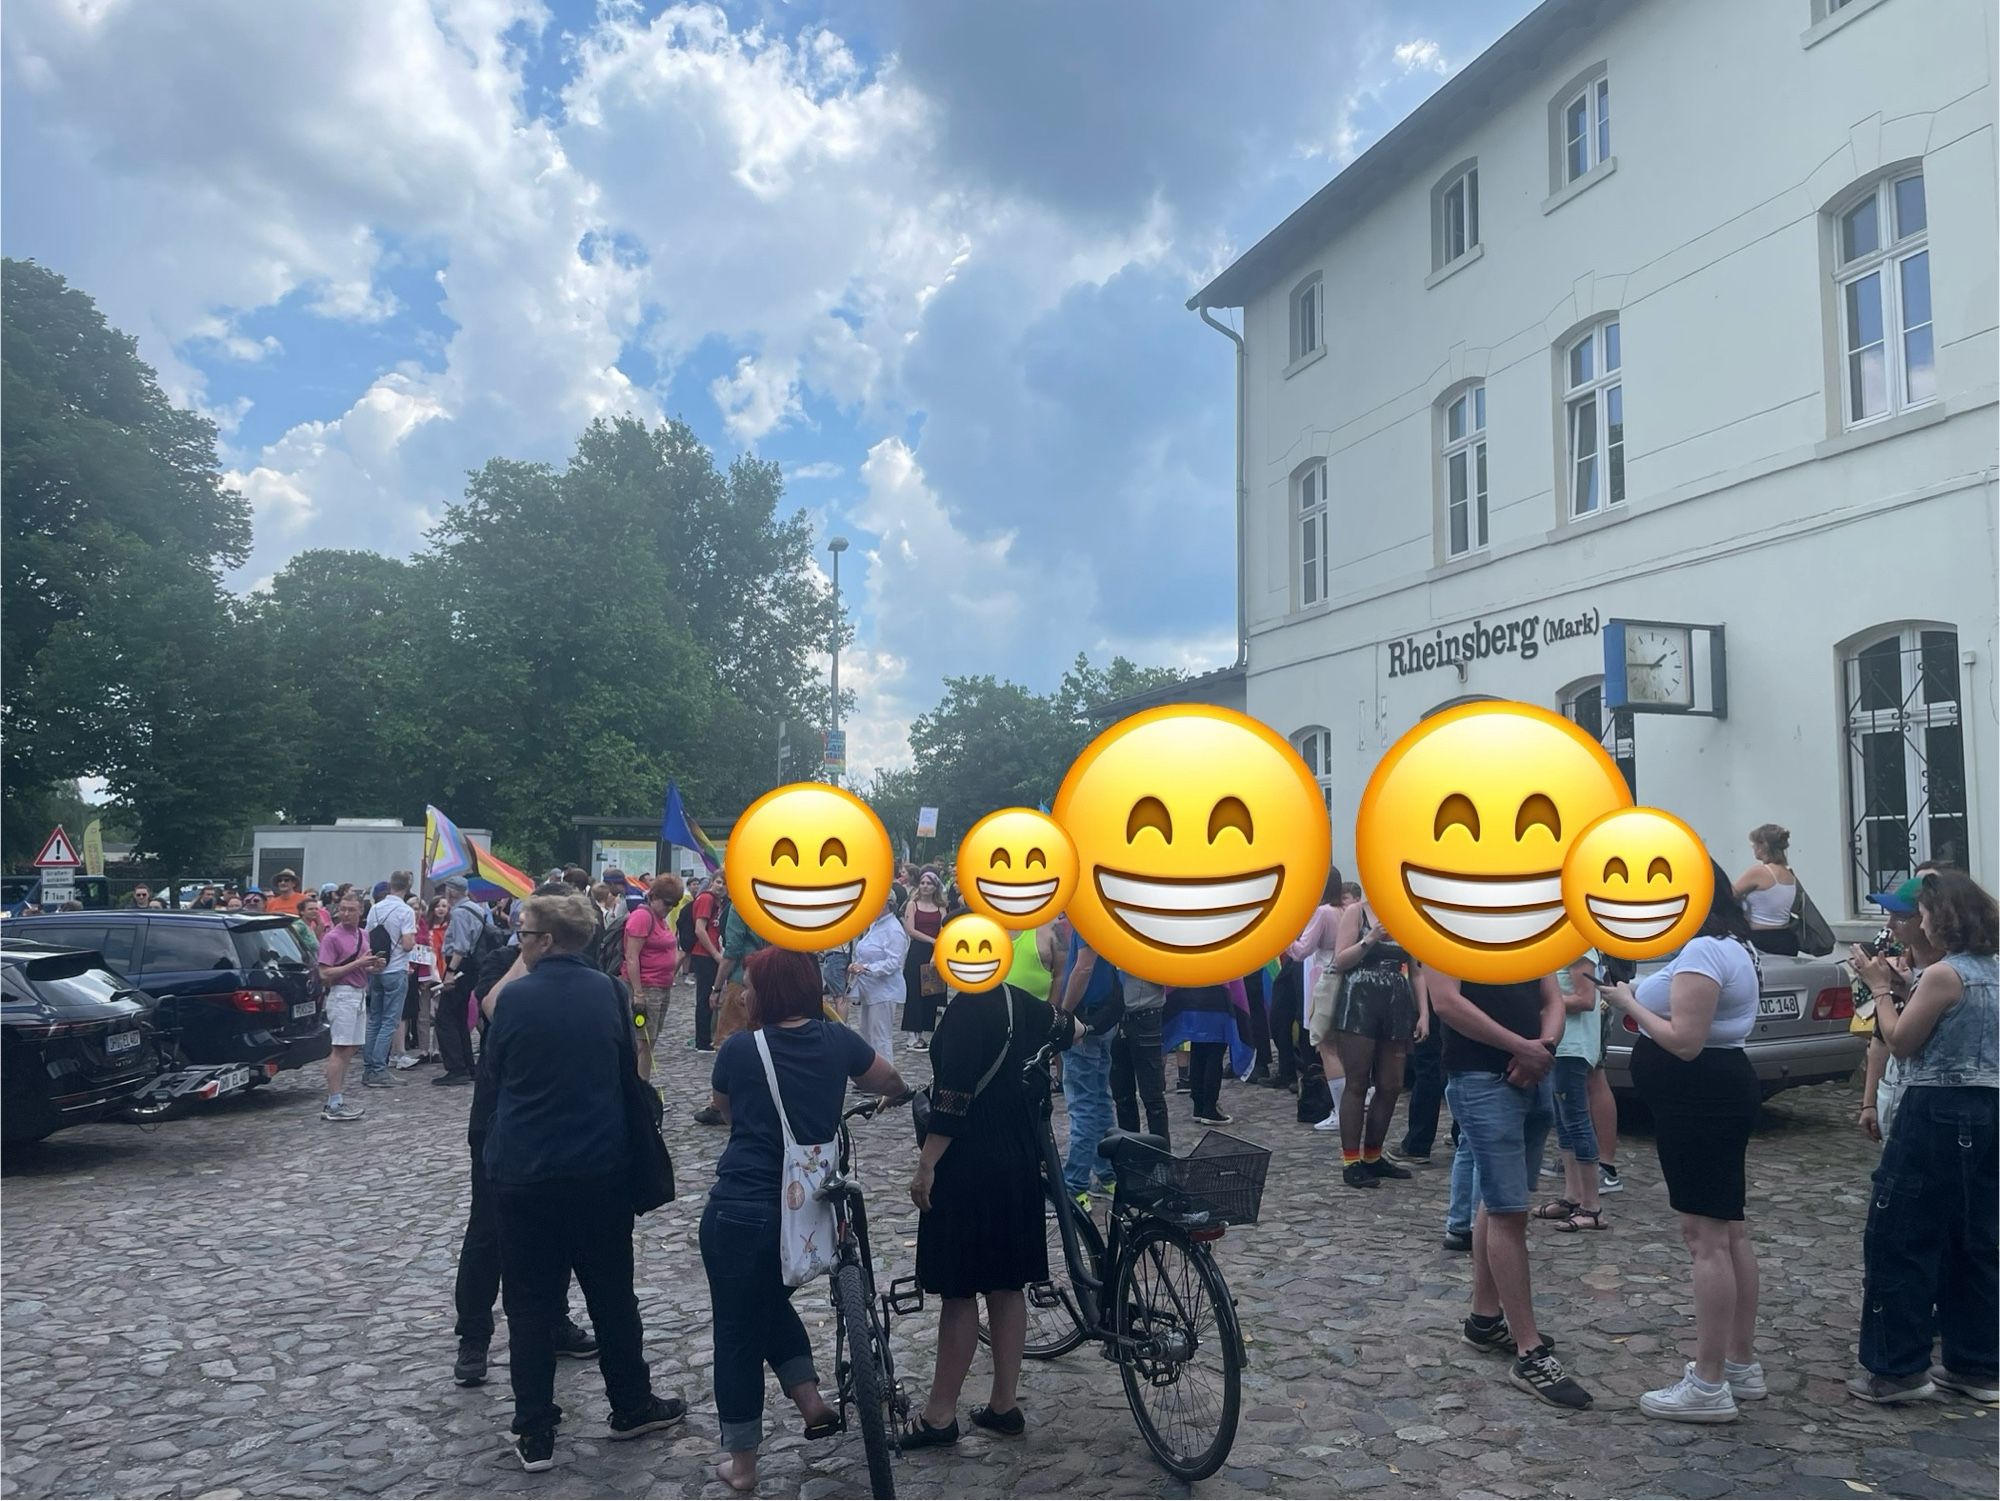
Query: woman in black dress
<point x="979" y="1187"/>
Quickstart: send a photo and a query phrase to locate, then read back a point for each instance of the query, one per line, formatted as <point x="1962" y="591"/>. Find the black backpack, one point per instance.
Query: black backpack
<point x="491" y="957"/>
<point x="609" y="952"/>
<point x="684" y="926"/>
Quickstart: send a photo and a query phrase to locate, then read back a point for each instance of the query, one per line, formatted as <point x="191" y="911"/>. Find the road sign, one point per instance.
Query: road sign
<point x="58" y="886"/>
<point x="834" y="757"/>
<point x="59" y="850"/>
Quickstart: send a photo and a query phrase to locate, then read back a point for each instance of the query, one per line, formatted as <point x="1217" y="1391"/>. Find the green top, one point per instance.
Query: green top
<point x="738" y="942"/>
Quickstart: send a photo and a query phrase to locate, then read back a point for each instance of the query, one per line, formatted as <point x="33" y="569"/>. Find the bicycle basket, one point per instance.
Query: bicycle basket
<point x="1221" y="1182"/>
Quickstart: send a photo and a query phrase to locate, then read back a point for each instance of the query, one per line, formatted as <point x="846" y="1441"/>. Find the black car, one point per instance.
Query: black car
<point x="234" y="987"/>
<point x="75" y="1041"/>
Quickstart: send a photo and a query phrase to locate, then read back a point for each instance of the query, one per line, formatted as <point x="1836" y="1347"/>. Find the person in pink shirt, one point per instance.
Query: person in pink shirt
<point x="652" y="954"/>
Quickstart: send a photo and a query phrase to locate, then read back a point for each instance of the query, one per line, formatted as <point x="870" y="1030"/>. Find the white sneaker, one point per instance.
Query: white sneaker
<point x="404" y="1060"/>
<point x="1746" y="1382"/>
<point x="1685" y="1402"/>
<point x="1331" y="1123"/>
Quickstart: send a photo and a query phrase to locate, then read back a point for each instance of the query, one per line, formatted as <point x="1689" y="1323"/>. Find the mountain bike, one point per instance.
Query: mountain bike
<point x="1150" y="1294"/>
<point x="864" y="1367"/>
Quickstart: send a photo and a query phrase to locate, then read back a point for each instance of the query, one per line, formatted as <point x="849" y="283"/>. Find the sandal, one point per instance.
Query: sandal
<point x="826" y="1427"/>
<point x="920" y="1435"/>
<point x="1009" y="1424"/>
<point x="1574" y="1222"/>
<point x="1556" y="1209"/>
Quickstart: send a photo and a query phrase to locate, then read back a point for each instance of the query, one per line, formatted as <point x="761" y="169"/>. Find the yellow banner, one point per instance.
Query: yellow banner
<point x="93" y="847"/>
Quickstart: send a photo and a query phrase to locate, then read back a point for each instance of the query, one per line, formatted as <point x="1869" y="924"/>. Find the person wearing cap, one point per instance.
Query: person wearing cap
<point x="451" y="1029"/>
<point x="1882" y="1087"/>
<point x="253" y="899"/>
<point x="287" y="895"/>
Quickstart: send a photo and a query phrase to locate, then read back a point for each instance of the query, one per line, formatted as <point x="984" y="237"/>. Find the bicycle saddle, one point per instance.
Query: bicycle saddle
<point x="1122" y="1146"/>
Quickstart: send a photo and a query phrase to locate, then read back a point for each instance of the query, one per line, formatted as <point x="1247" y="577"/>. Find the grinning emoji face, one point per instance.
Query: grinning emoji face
<point x="1017" y="867"/>
<point x="809" y="866"/>
<point x="1637" y="883"/>
<point x="973" y="953"/>
<point x="1202" y="843"/>
<point x="1462" y="833"/>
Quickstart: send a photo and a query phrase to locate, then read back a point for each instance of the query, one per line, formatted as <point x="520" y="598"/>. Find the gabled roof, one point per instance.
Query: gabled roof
<point x="1549" y="30"/>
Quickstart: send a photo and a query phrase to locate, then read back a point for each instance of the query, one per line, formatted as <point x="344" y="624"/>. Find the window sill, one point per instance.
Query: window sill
<point x="1304" y="360"/>
<point x="1576" y="526"/>
<point x="1825" y="27"/>
<point x="1451" y="268"/>
<point x="1479" y="557"/>
<point x="1583" y="184"/>
<point x="1909" y="421"/>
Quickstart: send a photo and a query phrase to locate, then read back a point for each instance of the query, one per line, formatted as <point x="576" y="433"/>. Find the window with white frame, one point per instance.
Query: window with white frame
<point x="1309" y="486"/>
<point x="1455" y="216"/>
<point x="1465" y="472"/>
<point x="1308" y="317"/>
<point x="1905" y="757"/>
<point x="1583" y="705"/>
<point x="1586" y="129"/>
<point x="1315" y="748"/>
<point x="1594" y="419"/>
<point x="1883" y="275"/>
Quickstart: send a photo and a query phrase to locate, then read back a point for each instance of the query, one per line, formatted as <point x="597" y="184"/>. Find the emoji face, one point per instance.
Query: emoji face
<point x="1637" y="883"/>
<point x="1462" y="833"/>
<point x="1201" y="840"/>
<point x="973" y="953"/>
<point x="1017" y="867"/>
<point x="809" y="866"/>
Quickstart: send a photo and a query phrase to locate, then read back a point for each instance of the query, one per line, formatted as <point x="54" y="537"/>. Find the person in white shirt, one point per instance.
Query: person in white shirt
<point x="875" y="979"/>
<point x="389" y="985"/>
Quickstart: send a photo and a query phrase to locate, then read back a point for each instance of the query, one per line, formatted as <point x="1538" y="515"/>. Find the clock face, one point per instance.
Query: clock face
<point x="1657" y="665"/>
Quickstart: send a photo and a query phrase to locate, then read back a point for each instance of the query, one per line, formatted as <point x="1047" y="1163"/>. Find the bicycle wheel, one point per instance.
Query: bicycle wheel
<point x="866" y="1386"/>
<point x="1179" y="1350"/>
<point x="1055" y="1319"/>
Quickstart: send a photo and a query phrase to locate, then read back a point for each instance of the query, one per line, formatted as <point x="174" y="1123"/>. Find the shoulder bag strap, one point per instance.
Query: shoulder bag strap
<point x="777" y="1100"/>
<point x="1005" y="1048"/>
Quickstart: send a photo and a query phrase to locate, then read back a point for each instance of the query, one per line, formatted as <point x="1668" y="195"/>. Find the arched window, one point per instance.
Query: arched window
<point x="1453" y="703"/>
<point x="1315" y="747"/>
<point x="1308" y="318"/>
<point x="1583" y="703"/>
<point x="1905" y="756"/>
<point x="1882" y="275"/>
<point x="1594" y="419"/>
<point x="1309" y="509"/>
<point x="1462" y="450"/>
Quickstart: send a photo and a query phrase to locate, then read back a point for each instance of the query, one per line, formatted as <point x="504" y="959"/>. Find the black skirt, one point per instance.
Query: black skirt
<point x="920" y="1011"/>
<point x="1704" y="1109"/>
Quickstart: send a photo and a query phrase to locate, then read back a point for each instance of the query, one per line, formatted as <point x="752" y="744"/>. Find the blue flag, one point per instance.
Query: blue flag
<point x="677" y="828"/>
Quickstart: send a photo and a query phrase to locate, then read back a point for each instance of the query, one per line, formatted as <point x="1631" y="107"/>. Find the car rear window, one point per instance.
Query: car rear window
<point x="84" y="988"/>
<point x="117" y="942"/>
<point x="267" y="948"/>
<point x="178" y="947"/>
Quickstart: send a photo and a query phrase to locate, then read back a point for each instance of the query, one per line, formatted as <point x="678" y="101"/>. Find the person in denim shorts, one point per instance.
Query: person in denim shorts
<point x="1499" y="1051"/>
<point x="1577" y="1053"/>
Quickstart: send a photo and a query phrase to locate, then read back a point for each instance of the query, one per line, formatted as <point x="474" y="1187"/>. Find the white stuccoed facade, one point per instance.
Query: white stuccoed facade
<point x="1736" y="133"/>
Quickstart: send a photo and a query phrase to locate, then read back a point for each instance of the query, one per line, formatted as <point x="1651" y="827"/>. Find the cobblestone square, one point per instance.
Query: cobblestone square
<point x="254" y="1302"/>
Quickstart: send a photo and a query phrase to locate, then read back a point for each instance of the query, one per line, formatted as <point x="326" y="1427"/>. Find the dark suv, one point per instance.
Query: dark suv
<point x="77" y="1041"/>
<point x="235" y="987"/>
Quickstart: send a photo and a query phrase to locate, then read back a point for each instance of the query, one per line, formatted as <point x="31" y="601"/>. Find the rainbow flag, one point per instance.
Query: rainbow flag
<point x="677" y="828"/>
<point x="449" y="852"/>
<point x="491" y="876"/>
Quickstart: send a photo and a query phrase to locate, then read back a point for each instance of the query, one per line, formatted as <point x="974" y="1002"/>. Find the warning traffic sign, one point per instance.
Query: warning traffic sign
<point x="59" y="850"/>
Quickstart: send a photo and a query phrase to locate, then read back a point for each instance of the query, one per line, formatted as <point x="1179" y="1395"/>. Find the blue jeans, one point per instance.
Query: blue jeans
<point x="386" y="993"/>
<point x="1464" y="1191"/>
<point x="1503" y="1130"/>
<point x="1574" y="1130"/>
<point x="1931" y="1256"/>
<point x="1087" y="1093"/>
<point x="755" y="1323"/>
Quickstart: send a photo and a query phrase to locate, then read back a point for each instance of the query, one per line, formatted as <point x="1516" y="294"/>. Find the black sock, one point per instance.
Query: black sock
<point x="1487" y="1320"/>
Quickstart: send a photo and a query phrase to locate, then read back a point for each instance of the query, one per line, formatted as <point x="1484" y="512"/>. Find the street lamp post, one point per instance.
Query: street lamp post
<point x="836" y="546"/>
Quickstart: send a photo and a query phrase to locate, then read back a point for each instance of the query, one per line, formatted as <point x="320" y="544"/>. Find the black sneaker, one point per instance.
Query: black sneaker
<point x="1608" y="1181"/>
<point x="1382" y="1167"/>
<point x="470" y="1367"/>
<point x="575" y="1341"/>
<point x="1359" y="1175"/>
<point x="1404" y="1154"/>
<point x="708" y="1115"/>
<point x="1541" y="1373"/>
<point x="1495" y="1337"/>
<point x="1458" y="1240"/>
<point x="1212" y="1118"/>
<point x="658" y="1413"/>
<point x="536" y="1451"/>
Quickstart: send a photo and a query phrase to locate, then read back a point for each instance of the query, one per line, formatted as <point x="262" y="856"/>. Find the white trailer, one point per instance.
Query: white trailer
<point x="361" y="850"/>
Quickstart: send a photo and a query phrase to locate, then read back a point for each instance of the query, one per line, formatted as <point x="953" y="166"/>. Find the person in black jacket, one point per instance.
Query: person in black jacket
<point x="556" y="1152"/>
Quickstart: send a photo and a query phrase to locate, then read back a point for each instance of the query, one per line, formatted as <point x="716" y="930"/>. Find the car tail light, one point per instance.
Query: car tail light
<point x="1631" y="1025"/>
<point x="256" y="1001"/>
<point x="271" y="1069"/>
<point x="1834" y="1004"/>
<point x="57" y="1029"/>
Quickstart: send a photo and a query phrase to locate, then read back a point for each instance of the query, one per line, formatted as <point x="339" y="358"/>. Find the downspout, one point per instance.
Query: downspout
<point x="1242" y="482"/>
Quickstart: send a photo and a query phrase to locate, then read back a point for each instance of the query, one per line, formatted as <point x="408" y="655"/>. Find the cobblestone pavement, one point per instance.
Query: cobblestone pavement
<point x="252" y="1302"/>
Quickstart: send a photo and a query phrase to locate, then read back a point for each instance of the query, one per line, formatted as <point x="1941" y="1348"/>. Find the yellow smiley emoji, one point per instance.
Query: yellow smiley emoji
<point x="973" y="953"/>
<point x="1462" y="832"/>
<point x="1017" y="867"/>
<point x="1202" y="843"/>
<point x="1637" y="883"/>
<point x="809" y="866"/>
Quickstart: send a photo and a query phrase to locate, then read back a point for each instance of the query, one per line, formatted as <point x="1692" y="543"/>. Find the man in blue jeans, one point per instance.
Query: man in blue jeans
<point x="393" y="919"/>
<point x="1499" y="1050"/>
<point x="1089" y="985"/>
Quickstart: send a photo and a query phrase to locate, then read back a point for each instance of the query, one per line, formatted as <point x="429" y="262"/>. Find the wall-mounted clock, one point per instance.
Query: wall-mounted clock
<point x="1664" y="667"/>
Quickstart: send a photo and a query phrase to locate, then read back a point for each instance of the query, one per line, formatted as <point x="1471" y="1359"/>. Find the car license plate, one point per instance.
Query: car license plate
<point x="1778" y="1007"/>
<point x="305" y="1009"/>
<point x="235" y="1079"/>
<point x="121" y="1042"/>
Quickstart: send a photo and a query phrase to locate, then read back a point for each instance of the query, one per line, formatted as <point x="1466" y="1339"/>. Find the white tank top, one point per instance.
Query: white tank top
<point x="1772" y="906"/>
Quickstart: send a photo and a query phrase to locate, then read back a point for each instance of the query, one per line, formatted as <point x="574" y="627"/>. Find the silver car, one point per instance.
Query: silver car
<point x="1801" y="1036"/>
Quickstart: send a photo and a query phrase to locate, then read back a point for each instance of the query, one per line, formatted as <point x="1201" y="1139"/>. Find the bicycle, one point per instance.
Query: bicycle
<point x="1169" y="1323"/>
<point x="864" y="1367"/>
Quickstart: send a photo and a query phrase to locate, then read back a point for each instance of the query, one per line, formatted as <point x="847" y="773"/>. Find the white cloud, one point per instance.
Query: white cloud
<point x="818" y="469"/>
<point x="276" y="500"/>
<point x="758" y="397"/>
<point x="1422" y="53"/>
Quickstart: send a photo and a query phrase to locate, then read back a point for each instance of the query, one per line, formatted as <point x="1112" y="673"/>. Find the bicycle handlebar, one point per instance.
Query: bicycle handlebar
<point x="868" y="1109"/>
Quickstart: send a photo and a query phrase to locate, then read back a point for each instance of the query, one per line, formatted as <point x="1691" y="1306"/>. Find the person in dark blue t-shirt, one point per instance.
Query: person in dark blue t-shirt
<point x="1091" y="983"/>
<point x="754" y="1321"/>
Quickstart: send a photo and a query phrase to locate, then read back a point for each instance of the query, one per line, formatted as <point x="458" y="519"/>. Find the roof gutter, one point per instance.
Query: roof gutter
<point x="1242" y="480"/>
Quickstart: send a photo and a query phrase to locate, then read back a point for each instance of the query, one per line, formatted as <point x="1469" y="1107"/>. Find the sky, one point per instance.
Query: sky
<point x="932" y="258"/>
